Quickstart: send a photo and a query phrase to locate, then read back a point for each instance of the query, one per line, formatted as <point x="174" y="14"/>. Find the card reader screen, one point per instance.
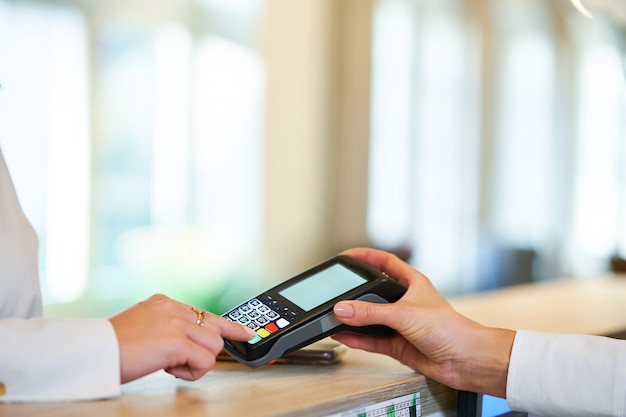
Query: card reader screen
<point x="322" y="287"/>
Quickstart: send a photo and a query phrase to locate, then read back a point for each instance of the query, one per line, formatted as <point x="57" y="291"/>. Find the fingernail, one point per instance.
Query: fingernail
<point x="343" y="310"/>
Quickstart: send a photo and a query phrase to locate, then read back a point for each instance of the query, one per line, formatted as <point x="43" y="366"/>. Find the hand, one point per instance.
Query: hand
<point x="432" y="337"/>
<point x="161" y="333"/>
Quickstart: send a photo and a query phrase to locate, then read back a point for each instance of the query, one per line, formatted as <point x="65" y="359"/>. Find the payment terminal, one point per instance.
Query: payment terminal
<point x="299" y="311"/>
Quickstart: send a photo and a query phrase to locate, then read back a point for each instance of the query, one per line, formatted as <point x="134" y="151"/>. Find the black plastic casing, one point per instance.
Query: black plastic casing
<point x="319" y="322"/>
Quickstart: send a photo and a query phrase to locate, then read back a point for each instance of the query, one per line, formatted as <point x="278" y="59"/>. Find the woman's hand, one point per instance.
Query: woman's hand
<point x="161" y="333"/>
<point x="432" y="337"/>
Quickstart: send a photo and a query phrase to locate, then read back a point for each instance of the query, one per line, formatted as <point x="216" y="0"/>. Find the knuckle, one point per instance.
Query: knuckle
<point x="159" y="297"/>
<point x="367" y="311"/>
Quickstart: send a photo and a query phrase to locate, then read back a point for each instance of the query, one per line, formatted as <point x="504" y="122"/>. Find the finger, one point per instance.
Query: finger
<point x="210" y="335"/>
<point x="182" y="372"/>
<point x="361" y="313"/>
<point x="225" y="327"/>
<point x="234" y="331"/>
<point x="391" y="346"/>
<point x="396" y="347"/>
<point x="193" y="360"/>
<point x="187" y="373"/>
<point x="359" y="341"/>
<point x="193" y="369"/>
<point x="388" y="263"/>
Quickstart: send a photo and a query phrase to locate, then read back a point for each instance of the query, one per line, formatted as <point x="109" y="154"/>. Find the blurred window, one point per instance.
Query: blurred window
<point x="424" y="153"/>
<point x="494" y="144"/>
<point x="44" y="134"/>
<point x="599" y="161"/>
<point x="134" y="137"/>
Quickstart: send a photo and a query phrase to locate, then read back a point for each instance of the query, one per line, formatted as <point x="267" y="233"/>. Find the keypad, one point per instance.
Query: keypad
<point x="265" y="315"/>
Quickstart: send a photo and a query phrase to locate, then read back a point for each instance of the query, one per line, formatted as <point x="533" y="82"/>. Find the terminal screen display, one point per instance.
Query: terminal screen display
<point x="322" y="287"/>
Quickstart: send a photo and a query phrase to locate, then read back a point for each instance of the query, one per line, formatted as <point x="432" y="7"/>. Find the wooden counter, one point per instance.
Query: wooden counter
<point x="590" y="306"/>
<point x="277" y="390"/>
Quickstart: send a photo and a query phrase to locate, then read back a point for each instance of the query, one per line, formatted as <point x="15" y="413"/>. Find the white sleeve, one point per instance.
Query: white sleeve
<point x="567" y="375"/>
<point x="58" y="359"/>
<point x="20" y="295"/>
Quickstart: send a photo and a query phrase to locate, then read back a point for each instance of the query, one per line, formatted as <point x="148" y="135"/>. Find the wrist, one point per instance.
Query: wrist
<point x="488" y="367"/>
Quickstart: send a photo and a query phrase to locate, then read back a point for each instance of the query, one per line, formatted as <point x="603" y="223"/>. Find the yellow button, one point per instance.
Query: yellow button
<point x="263" y="333"/>
<point x="3" y="389"/>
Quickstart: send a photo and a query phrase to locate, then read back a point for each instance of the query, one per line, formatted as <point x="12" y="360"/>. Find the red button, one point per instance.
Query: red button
<point x="271" y="328"/>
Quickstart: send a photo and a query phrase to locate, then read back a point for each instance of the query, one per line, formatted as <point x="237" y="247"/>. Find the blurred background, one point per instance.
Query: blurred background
<point x="207" y="149"/>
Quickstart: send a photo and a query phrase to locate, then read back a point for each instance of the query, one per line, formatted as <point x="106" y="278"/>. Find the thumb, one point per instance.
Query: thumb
<point x="362" y="313"/>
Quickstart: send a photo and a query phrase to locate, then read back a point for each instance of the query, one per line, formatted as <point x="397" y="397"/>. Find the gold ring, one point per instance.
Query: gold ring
<point x="201" y="315"/>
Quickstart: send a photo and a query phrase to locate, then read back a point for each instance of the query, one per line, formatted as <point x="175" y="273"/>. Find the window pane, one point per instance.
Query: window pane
<point x="135" y="143"/>
<point x="389" y="216"/>
<point x="598" y="217"/>
<point x="423" y="143"/>
<point x="44" y="130"/>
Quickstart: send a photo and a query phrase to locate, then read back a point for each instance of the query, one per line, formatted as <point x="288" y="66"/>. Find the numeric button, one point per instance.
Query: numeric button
<point x="234" y="315"/>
